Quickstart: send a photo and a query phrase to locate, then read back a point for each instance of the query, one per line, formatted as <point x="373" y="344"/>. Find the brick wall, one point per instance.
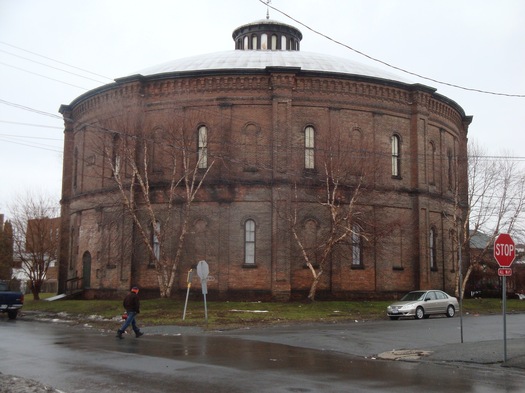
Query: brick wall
<point x="256" y="129"/>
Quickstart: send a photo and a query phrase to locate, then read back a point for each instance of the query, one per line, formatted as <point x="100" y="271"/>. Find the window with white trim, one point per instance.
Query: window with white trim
<point x="357" y="246"/>
<point x="396" y="156"/>
<point x="202" y="147"/>
<point x="309" y="148"/>
<point x="155" y="240"/>
<point x="249" y="242"/>
<point x="432" y="248"/>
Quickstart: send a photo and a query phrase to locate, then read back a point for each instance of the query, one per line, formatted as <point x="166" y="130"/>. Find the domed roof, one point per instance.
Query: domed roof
<point x="261" y="59"/>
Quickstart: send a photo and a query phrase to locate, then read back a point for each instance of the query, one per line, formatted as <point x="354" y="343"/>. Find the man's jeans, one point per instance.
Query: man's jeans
<point x="130" y="321"/>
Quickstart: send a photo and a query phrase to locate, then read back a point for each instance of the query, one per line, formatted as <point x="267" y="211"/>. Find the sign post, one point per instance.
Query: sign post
<point x="190" y="276"/>
<point x="203" y="271"/>
<point x="504" y="253"/>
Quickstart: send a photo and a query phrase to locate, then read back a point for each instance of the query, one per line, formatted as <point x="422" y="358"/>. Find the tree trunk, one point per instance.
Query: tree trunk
<point x="465" y="280"/>
<point x="313" y="288"/>
<point x="35" y="290"/>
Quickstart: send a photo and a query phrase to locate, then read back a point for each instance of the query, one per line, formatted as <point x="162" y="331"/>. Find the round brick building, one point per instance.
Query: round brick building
<point x="270" y="164"/>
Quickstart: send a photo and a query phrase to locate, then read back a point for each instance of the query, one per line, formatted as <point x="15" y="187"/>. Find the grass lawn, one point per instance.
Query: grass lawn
<point x="238" y="314"/>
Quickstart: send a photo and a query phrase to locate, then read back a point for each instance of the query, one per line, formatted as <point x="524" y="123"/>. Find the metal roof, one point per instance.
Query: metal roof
<point x="261" y="59"/>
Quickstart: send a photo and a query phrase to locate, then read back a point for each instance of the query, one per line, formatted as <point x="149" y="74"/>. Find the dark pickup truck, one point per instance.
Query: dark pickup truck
<point x="10" y="302"/>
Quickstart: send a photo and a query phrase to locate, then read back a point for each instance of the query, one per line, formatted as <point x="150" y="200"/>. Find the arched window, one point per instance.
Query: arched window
<point x="309" y="148"/>
<point x="254" y="42"/>
<point x="246" y="43"/>
<point x="396" y="156"/>
<point x="264" y="41"/>
<point x="432" y="248"/>
<point x="274" y="42"/>
<point x="283" y="42"/>
<point x="202" y="147"/>
<point x="249" y="242"/>
<point x="155" y="240"/>
<point x="116" y="154"/>
<point x="357" y="246"/>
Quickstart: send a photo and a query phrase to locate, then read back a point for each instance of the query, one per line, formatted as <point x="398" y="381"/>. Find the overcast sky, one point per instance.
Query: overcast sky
<point x="477" y="44"/>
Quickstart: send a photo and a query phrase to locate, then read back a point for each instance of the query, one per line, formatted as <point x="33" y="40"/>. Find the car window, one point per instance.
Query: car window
<point x="411" y="296"/>
<point x="441" y="295"/>
<point x="431" y="296"/>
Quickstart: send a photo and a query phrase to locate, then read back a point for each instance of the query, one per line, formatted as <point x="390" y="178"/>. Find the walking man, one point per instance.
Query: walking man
<point x="132" y="306"/>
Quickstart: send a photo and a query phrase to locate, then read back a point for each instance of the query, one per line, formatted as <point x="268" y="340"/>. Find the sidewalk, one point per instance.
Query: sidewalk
<point x="482" y="353"/>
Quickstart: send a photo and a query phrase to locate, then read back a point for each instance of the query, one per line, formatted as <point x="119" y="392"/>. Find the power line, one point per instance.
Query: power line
<point x="266" y="3"/>
<point x="29" y="109"/>
<point x="50" y="66"/>
<point x="56" y="150"/>
<point x="29" y="137"/>
<point x="43" y="76"/>
<point x="30" y="124"/>
<point x="56" y="61"/>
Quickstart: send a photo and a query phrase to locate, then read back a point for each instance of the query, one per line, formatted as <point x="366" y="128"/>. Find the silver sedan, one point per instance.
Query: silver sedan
<point x="422" y="304"/>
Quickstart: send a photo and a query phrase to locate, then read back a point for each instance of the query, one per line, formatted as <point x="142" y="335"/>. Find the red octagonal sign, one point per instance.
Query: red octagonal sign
<point x="504" y="250"/>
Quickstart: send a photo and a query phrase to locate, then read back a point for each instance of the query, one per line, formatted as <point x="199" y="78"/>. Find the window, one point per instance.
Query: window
<point x="357" y="246"/>
<point x="432" y="248"/>
<point x="396" y="156"/>
<point x="203" y="147"/>
<point x="155" y="240"/>
<point x="440" y="295"/>
<point x="264" y="41"/>
<point x="283" y="43"/>
<point x="309" y="148"/>
<point x="116" y="155"/>
<point x="274" y="42"/>
<point x="249" y="242"/>
<point x="254" y="42"/>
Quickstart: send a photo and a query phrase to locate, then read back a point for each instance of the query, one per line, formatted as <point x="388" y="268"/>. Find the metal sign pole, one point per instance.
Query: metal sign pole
<point x="460" y="291"/>
<point x="203" y="271"/>
<point x="504" y="294"/>
<point x="190" y="276"/>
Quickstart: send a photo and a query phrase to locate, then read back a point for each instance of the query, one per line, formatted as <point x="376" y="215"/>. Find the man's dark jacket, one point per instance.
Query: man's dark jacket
<point x="132" y="302"/>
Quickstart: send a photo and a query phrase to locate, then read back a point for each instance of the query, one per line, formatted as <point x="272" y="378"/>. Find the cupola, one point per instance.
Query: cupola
<point x="267" y="34"/>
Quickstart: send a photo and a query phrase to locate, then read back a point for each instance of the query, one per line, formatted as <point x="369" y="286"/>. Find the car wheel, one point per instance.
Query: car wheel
<point x="394" y="318"/>
<point x="12" y="314"/>
<point x="420" y="313"/>
<point x="451" y="311"/>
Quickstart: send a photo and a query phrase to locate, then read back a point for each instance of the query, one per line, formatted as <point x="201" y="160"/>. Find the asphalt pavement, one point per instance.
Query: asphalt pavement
<point x="335" y="337"/>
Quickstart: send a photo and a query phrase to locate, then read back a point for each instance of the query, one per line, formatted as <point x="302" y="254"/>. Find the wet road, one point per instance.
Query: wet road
<point x="86" y="360"/>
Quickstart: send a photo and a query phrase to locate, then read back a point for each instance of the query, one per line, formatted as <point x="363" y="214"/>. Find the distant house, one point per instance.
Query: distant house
<point x="484" y="279"/>
<point x="42" y="246"/>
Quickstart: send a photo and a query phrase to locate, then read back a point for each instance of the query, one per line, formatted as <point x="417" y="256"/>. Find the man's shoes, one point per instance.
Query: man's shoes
<point x="119" y="334"/>
<point x="138" y="334"/>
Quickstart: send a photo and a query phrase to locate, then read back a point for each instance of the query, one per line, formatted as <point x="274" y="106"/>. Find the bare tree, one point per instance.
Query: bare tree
<point x="183" y="170"/>
<point x="6" y="249"/>
<point x="35" y="236"/>
<point x="496" y="200"/>
<point x="347" y="175"/>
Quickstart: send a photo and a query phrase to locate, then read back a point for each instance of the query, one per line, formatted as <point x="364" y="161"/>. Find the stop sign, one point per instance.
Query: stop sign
<point x="504" y="250"/>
